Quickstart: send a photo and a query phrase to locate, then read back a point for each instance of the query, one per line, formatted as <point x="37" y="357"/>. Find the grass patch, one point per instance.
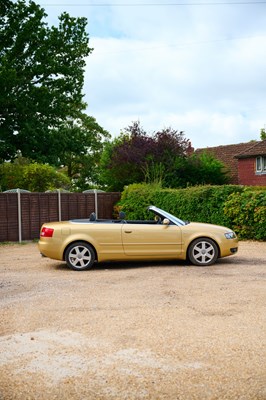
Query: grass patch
<point x="23" y="243"/>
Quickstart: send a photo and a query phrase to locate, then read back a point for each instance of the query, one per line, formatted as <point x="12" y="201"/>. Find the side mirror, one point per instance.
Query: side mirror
<point x="166" y="221"/>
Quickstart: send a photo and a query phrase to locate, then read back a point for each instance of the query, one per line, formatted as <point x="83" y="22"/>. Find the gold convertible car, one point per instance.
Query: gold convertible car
<point x="82" y="242"/>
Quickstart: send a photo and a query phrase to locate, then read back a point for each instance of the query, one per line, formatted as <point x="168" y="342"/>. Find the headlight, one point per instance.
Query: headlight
<point x="230" y="235"/>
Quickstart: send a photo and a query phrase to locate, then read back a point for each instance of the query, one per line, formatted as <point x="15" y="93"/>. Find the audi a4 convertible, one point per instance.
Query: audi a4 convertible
<point x="82" y="242"/>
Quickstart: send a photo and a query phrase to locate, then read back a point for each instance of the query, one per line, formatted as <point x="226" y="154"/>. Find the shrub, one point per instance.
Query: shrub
<point x="136" y="198"/>
<point x="247" y="212"/>
<point x="33" y="177"/>
<point x="242" y="209"/>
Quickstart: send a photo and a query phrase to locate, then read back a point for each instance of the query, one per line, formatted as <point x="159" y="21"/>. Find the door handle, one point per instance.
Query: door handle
<point x="128" y="231"/>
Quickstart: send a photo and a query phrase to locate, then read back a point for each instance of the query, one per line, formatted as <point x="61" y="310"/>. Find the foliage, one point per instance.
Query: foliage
<point x="247" y="211"/>
<point x="119" y="166"/>
<point x="136" y="198"/>
<point x="41" y="80"/>
<point x="196" y="169"/>
<point x="241" y="209"/>
<point x="10" y="176"/>
<point x="33" y="177"/>
<point x="263" y="134"/>
<point x="209" y="170"/>
<point x="164" y="158"/>
<point x="136" y="157"/>
<point x="199" y="203"/>
<point x="81" y="144"/>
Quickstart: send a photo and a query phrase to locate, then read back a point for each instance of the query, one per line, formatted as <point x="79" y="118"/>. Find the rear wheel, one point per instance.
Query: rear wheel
<point x="80" y="256"/>
<point x="203" y="251"/>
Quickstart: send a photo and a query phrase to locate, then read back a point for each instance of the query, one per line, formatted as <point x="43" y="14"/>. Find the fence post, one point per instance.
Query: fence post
<point x="59" y="205"/>
<point x="96" y="202"/>
<point x="19" y="217"/>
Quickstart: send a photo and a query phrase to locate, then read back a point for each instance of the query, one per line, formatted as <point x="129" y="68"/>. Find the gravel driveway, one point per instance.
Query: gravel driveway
<point x="132" y="331"/>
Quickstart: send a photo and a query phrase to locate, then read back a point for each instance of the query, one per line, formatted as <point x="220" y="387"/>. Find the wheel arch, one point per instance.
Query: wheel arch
<point x="203" y="237"/>
<point x="80" y="241"/>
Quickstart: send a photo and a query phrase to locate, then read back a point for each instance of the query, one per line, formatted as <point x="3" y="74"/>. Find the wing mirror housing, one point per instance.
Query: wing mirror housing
<point x="166" y="221"/>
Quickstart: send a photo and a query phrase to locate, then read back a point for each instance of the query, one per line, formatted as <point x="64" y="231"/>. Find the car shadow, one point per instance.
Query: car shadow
<point x="118" y="265"/>
<point x="122" y="265"/>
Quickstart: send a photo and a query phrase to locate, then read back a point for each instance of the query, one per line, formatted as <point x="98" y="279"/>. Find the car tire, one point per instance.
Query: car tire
<point x="203" y="252"/>
<point x="80" y="256"/>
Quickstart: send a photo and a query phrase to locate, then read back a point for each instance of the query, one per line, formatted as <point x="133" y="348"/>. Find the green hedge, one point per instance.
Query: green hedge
<point x="240" y="208"/>
<point x="247" y="213"/>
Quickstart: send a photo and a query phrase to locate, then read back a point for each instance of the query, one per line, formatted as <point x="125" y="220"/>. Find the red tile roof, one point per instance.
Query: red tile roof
<point x="258" y="149"/>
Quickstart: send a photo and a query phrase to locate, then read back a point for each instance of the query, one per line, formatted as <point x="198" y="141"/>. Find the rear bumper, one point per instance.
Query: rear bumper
<point x="49" y="247"/>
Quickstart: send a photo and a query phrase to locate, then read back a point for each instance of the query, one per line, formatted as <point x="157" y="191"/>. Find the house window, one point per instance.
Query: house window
<point x="261" y="165"/>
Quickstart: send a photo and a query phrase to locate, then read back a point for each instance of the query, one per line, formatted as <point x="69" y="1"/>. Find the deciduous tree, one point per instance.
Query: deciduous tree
<point x="81" y="143"/>
<point x="41" y="79"/>
<point x="136" y="156"/>
<point x="166" y="157"/>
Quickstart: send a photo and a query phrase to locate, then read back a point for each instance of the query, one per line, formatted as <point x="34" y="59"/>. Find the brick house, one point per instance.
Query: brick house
<point x="245" y="162"/>
<point x="252" y="165"/>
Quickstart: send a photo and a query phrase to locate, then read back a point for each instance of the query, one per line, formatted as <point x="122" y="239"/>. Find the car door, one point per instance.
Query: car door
<point x="156" y="240"/>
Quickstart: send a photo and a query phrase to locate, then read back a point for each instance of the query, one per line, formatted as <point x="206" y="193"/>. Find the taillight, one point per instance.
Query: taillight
<point x="47" y="232"/>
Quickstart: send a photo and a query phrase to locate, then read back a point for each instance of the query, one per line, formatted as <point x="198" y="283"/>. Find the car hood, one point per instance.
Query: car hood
<point x="199" y="226"/>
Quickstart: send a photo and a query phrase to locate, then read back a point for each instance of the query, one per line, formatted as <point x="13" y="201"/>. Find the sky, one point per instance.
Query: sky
<point x="195" y="66"/>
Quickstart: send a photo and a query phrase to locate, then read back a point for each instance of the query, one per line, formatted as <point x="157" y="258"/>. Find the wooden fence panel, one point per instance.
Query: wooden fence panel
<point x="9" y="217"/>
<point x="38" y="208"/>
<point x="48" y="207"/>
<point x="106" y="204"/>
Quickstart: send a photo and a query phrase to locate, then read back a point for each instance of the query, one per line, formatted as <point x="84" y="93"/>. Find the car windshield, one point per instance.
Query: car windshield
<point x="171" y="217"/>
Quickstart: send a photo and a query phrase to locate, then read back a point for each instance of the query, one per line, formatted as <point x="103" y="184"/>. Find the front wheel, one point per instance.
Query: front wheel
<point x="80" y="256"/>
<point x="203" y="251"/>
